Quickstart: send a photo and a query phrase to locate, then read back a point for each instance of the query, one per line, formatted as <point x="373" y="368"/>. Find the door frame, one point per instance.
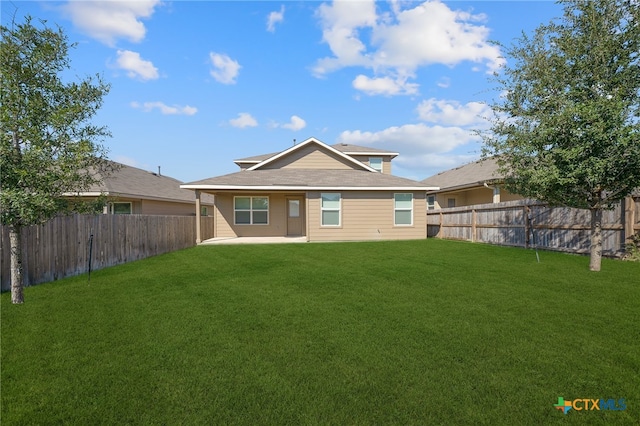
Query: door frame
<point x="301" y="213"/>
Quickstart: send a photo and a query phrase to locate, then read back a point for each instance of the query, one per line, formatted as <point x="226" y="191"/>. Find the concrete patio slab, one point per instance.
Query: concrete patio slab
<point x="254" y="240"/>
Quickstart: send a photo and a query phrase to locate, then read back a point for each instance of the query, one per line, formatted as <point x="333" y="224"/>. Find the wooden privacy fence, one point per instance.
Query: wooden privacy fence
<point x="60" y="247"/>
<point x="530" y="223"/>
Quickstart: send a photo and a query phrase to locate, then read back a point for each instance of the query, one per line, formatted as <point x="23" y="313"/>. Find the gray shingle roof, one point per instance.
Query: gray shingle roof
<point x="342" y="147"/>
<point x="311" y="178"/>
<point x="469" y="175"/>
<point x="348" y="148"/>
<point x="130" y="182"/>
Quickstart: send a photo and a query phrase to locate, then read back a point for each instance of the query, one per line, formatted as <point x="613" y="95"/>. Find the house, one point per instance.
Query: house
<point x="474" y="183"/>
<point x="130" y="190"/>
<point x="323" y="192"/>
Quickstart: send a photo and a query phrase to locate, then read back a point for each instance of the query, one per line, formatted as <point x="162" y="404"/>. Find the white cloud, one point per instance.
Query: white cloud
<point x="109" y="20"/>
<point x="225" y="70"/>
<point x="401" y="41"/>
<point x="429" y="164"/>
<point x="431" y="33"/>
<point x="165" y="109"/>
<point x="295" y="124"/>
<point x="273" y="18"/>
<point x="384" y="86"/>
<point x="412" y="139"/>
<point x="136" y="66"/>
<point x="341" y="22"/>
<point x="444" y="82"/>
<point x="453" y="113"/>
<point x="244" y="120"/>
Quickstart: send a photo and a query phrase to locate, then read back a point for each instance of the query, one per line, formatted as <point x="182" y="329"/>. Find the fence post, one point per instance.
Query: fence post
<point x="439" y="234"/>
<point x="473" y="225"/>
<point x="527" y="225"/>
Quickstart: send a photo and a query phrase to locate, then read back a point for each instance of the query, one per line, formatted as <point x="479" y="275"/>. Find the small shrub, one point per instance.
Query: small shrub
<point x="632" y="248"/>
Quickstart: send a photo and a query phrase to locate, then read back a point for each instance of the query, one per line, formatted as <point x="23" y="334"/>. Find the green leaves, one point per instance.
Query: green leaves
<point x="48" y="144"/>
<point x="568" y="128"/>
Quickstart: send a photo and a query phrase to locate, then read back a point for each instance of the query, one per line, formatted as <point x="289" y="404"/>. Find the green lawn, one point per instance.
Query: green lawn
<point x="421" y="332"/>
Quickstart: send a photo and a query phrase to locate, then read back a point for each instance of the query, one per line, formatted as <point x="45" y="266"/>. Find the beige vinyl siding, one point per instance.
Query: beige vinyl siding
<point x="168" y="208"/>
<point x="470" y="197"/>
<point x="311" y="157"/>
<point x="224" y="217"/>
<point x="366" y="215"/>
<point x="386" y="161"/>
<point x="136" y="204"/>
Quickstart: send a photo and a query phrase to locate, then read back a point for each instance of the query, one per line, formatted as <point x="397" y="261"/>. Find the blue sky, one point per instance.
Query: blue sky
<point x="198" y="84"/>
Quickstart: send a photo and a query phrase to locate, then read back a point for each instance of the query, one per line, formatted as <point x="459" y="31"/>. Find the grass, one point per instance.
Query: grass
<point x="419" y="332"/>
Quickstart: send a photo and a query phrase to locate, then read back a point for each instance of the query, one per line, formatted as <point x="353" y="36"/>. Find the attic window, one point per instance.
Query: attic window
<point x="376" y="163"/>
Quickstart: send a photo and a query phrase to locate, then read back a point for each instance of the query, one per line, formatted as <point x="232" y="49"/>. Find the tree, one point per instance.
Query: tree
<point x="49" y="147"/>
<point x="567" y="124"/>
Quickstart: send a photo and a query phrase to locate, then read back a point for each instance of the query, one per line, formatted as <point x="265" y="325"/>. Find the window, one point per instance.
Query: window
<point x="203" y="211"/>
<point x="403" y="209"/>
<point x="451" y="202"/>
<point x="431" y="202"/>
<point x="294" y="208"/>
<point x="251" y="210"/>
<point x="330" y="208"/>
<point x="376" y="163"/>
<point x="120" y="208"/>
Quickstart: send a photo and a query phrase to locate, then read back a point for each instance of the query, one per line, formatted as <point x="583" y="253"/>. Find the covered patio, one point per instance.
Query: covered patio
<point x="253" y="240"/>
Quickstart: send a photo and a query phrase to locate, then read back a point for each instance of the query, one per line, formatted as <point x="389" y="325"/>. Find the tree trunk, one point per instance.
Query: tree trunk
<point x="15" y="240"/>
<point x="596" y="240"/>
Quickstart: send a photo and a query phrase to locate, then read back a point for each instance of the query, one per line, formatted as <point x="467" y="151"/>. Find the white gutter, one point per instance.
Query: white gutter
<point x="308" y="188"/>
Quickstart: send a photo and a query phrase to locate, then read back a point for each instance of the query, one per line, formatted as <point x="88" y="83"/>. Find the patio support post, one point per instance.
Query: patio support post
<point x="198" y="209"/>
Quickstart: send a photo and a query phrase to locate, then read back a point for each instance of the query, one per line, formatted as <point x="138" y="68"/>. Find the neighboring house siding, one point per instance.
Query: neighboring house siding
<point x="479" y="195"/>
<point x="168" y="208"/>
<point x="136" y="204"/>
<point x="310" y="157"/>
<point x="366" y="215"/>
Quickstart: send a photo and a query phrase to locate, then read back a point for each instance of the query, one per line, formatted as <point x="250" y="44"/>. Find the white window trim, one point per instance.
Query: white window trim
<point x="339" y="210"/>
<point x="381" y="164"/>
<point x="250" y="210"/>
<point x="396" y="209"/>
<point x="429" y="205"/>
<point x="112" y="209"/>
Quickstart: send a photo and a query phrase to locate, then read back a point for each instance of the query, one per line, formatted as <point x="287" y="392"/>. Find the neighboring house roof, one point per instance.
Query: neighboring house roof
<point x="131" y="182"/>
<point x="259" y="178"/>
<point x="468" y="176"/>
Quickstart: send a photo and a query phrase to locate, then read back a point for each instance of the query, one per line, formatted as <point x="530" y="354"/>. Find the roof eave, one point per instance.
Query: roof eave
<point x="306" y="188"/>
<point x="372" y="154"/>
<point x="465" y="186"/>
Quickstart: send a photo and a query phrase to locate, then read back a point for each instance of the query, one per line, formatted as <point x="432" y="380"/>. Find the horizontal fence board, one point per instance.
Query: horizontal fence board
<point x="60" y="247"/>
<point x="530" y="223"/>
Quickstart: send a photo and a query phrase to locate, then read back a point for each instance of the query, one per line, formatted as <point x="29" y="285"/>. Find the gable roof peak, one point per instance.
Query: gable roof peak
<point x="306" y="142"/>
